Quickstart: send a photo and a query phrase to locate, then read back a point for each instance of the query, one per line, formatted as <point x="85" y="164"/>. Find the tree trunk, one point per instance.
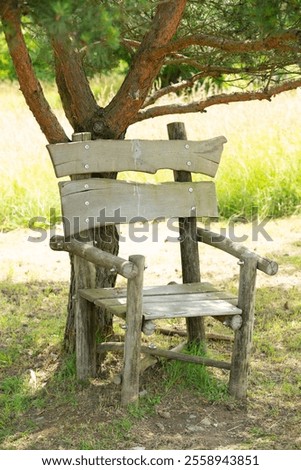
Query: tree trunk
<point x="85" y="275"/>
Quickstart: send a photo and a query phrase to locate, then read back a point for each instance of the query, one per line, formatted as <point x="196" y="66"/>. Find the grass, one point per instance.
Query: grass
<point x="181" y="375"/>
<point x="39" y="392"/>
<point x="39" y="395"/>
<point x="259" y="172"/>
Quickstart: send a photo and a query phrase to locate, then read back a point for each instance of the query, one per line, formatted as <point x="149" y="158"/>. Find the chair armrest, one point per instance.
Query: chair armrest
<point x="90" y="253"/>
<point x="235" y="249"/>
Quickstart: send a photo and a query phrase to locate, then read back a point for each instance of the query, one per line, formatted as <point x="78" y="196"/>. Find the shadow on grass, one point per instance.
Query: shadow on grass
<point x="44" y="407"/>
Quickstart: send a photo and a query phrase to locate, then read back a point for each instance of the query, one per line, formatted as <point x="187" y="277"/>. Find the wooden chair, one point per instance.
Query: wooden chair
<point x="89" y="203"/>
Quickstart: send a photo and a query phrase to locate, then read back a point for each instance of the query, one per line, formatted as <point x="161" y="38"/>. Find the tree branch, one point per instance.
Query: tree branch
<point x="130" y="44"/>
<point x="176" y="87"/>
<point x="76" y="95"/>
<point x="200" y="106"/>
<point x="276" y="42"/>
<point x="29" y="84"/>
<point x="205" y="72"/>
<point x="122" y="110"/>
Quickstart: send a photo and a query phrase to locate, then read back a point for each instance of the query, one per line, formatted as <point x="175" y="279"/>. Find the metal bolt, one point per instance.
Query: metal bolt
<point x="188" y="163"/>
<point x="193" y="209"/>
<point x="87" y="203"/>
<point x="86" y="166"/>
<point x="190" y="190"/>
<point x="87" y="221"/>
<point x="86" y="186"/>
<point x="87" y="147"/>
<point x="240" y="262"/>
<point x="124" y="326"/>
<point x="187" y="146"/>
<point x="113" y="270"/>
<point x="152" y="346"/>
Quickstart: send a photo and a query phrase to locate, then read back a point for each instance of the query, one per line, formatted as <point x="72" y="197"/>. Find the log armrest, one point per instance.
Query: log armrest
<point x="235" y="249"/>
<point x="93" y="254"/>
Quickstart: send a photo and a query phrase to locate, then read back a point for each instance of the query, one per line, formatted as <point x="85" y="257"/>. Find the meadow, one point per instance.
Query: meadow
<point x="42" y="406"/>
<point x="260" y="170"/>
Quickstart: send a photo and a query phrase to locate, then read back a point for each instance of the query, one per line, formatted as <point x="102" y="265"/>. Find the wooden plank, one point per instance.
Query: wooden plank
<point x="103" y="201"/>
<point x="115" y="292"/>
<point x="100" y="156"/>
<point x="177" y="308"/>
<point x="190" y="261"/>
<point x="193" y="308"/>
<point x="132" y="344"/>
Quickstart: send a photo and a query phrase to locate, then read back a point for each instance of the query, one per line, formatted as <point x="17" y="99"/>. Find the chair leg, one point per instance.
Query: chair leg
<point x="132" y="345"/>
<point x="85" y="324"/>
<point x="238" y="382"/>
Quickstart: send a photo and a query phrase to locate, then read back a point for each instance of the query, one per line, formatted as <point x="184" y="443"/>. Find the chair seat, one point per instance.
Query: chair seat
<point x="169" y="301"/>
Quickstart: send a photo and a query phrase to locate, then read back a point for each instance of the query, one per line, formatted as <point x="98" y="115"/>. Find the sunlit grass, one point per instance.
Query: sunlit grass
<point x="259" y="171"/>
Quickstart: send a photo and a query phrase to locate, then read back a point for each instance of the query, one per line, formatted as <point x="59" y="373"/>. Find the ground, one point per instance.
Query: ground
<point x="172" y="417"/>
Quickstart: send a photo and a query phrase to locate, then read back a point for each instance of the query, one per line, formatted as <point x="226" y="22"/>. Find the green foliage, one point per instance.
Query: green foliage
<point x="97" y="29"/>
<point x="94" y="28"/>
<point x="7" y="70"/>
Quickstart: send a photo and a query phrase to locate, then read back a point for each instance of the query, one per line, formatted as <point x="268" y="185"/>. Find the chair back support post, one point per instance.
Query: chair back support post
<point x="188" y="243"/>
<point x="132" y="343"/>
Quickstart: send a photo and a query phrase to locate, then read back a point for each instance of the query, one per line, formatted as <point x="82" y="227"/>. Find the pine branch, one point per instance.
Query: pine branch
<point x="200" y="106"/>
<point x="287" y="41"/>
<point x="208" y="72"/>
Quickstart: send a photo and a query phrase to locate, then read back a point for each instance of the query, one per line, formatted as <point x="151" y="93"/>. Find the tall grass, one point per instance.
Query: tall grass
<point x="259" y="172"/>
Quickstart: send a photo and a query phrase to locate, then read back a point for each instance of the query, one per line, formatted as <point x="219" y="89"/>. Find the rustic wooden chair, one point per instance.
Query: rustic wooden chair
<point x="88" y="203"/>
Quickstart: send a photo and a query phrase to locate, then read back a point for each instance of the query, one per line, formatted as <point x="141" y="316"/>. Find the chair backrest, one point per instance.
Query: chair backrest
<point x="89" y="203"/>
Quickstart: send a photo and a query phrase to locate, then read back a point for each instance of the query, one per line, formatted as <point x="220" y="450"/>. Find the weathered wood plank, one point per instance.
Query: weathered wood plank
<point x="130" y="376"/>
<point x="137" y="155"/>
<point x="115" y="292"/>
<point x="154" y="309"/>
<point x="100" y="202"/>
